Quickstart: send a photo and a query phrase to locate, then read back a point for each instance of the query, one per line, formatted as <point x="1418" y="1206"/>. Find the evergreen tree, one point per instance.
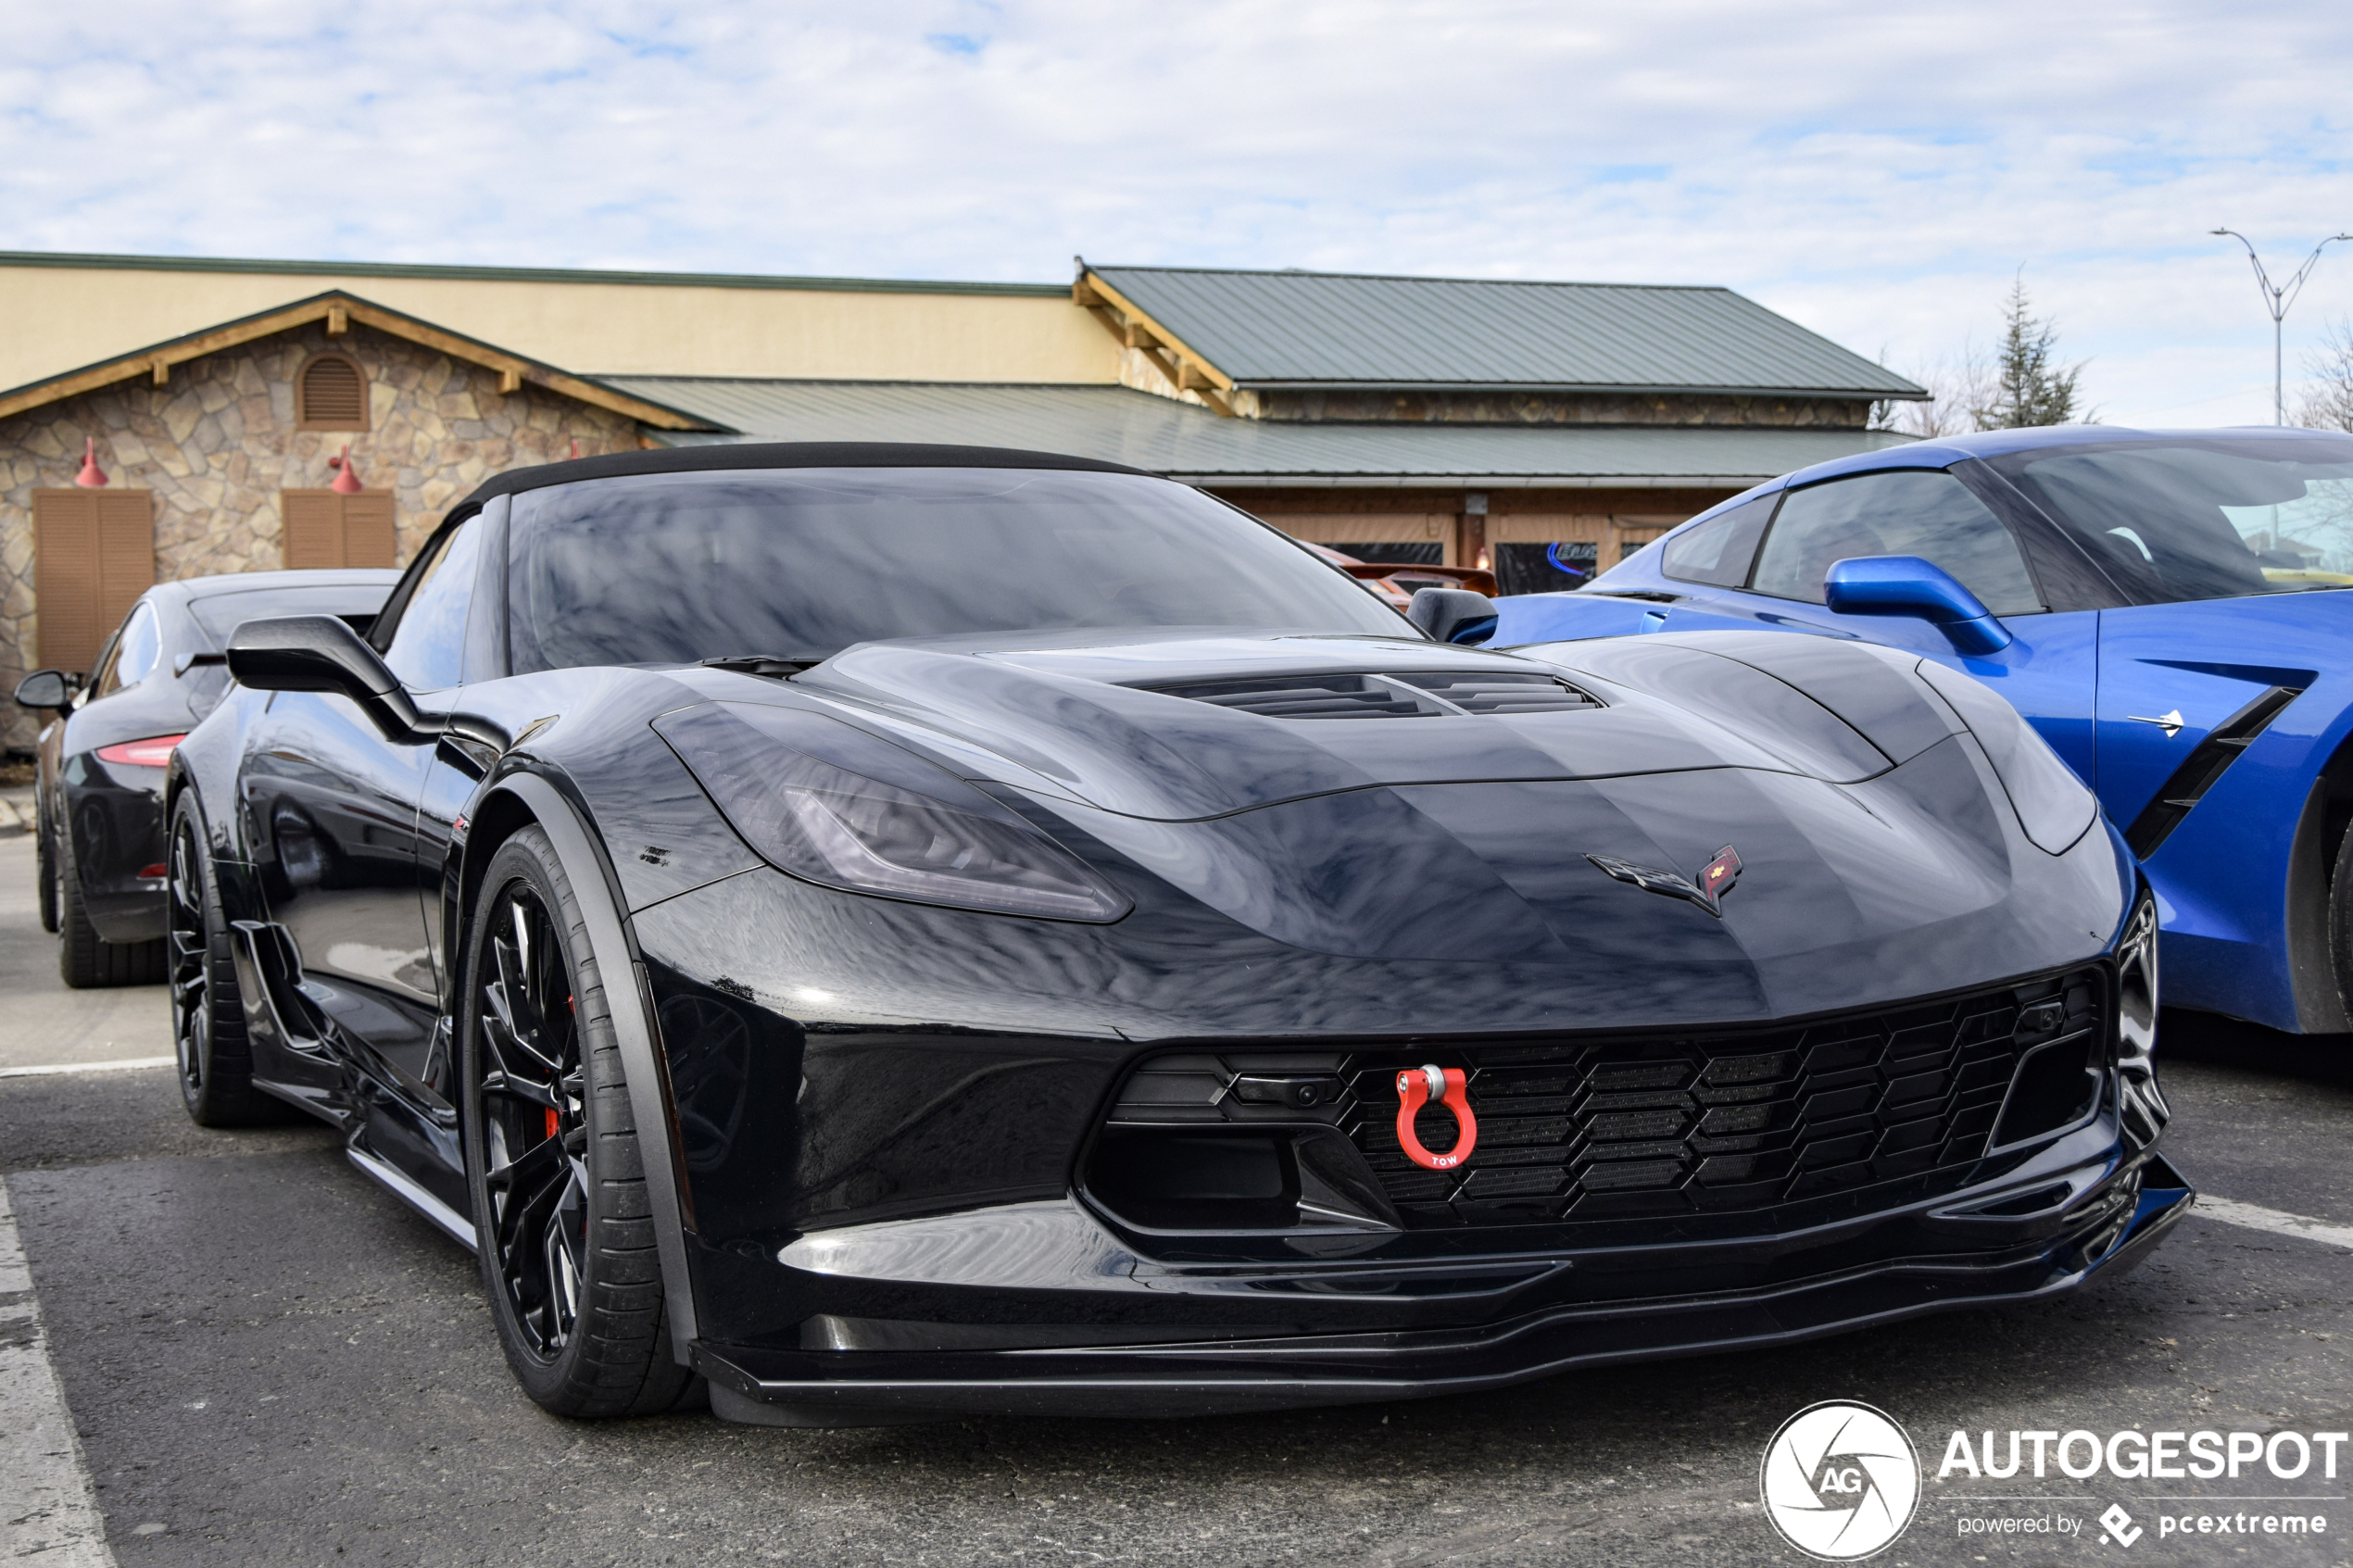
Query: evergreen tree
<point x="2030" y="387"/>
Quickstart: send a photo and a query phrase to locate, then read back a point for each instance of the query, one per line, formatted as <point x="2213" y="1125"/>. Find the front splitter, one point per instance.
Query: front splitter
<point x="855" y="1388"/>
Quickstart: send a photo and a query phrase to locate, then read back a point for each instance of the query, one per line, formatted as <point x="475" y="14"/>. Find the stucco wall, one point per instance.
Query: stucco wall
<point x="216" y="444"/>
<point x="63" y="317"/>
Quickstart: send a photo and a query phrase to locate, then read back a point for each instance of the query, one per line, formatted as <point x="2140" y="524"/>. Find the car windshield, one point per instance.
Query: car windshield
<point x="220" y="614"/>
<point x="2205" y="519"/>
<point x="665" y="568"/>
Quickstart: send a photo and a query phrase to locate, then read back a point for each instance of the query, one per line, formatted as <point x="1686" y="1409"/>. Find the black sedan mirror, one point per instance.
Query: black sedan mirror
<point x="1449" y="614"/>
<point x="44" y="688"/>
<point x="320" y="653"/>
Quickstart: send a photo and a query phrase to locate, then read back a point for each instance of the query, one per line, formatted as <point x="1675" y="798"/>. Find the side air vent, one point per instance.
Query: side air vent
<point x="2203" y="769"/>
<point x="1416" y="695"/>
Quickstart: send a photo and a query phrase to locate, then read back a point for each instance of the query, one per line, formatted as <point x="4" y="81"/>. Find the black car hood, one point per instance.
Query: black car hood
<point x="1096" y="725"/>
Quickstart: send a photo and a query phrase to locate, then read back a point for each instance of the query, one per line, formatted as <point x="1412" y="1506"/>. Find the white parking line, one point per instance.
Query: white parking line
<point x="2253" y="1218"/>
<point x="46" y="1508"/>
<point x="127" y="1065"/>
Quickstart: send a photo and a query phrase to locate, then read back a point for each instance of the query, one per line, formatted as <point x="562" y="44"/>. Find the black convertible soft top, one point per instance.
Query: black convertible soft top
<point x="777" y="454"/>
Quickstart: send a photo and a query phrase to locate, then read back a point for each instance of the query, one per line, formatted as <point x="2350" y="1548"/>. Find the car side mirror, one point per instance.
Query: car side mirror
<point x="1449" y="615"/>
<point x="1908" y="585"/>
<point x="320" y="653"/>
<point x="44" y="688"/>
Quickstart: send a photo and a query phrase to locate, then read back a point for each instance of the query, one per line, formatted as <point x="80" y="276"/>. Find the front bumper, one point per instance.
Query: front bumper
<point x="1464" y="1324"/>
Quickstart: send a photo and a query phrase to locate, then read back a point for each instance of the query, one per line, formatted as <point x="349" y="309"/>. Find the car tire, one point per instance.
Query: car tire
<point x="2341" y="919"/>
<point x="562" y="1217"/>
<point x="85" y="960"/>
<point x="44" y="859"/>
<point x="207" y="1009"/>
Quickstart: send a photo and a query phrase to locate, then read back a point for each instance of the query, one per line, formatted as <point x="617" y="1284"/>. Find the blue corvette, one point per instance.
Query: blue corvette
<point x="2167" y="609"/>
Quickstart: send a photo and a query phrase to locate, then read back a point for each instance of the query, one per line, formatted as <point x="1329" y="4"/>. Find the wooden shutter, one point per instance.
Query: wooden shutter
<point x="325" y="529"/>
<point x="368" y="538"/>
<point x="93" y="554"/>
<point x="313" y="529"/>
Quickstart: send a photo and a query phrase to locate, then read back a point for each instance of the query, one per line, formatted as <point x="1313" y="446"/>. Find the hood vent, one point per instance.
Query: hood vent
<point x="1421" y="696"/>
<point x="1502" y="693"/>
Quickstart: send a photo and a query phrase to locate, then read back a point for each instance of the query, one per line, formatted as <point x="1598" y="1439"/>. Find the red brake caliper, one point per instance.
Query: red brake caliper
<point x="1416" y="1088"/>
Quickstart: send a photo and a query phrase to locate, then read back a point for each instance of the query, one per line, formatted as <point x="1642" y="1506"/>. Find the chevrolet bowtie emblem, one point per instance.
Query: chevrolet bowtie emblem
<point x="1715" y="879"/>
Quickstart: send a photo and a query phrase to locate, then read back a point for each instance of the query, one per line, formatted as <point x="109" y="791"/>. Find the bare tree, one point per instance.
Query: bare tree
<point x="1958" y="387"/>
<point x="2327" y="403"/>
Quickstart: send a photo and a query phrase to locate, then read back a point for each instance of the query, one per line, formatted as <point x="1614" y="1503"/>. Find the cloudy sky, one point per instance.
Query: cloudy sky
<point x="1878" y="172"/>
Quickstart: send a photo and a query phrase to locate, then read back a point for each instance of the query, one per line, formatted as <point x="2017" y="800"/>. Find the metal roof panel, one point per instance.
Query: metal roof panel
<point x="1332" y="329"/>
<point x="1115" y="424"/>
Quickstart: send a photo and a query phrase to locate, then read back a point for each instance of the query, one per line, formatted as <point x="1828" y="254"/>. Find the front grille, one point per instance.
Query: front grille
<point x="1604" y="1128"/>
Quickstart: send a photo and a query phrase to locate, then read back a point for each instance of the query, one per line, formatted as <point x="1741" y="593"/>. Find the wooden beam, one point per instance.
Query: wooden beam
<point x="338" y="320"/>
<point x="1171" y="368"/>
<point x="1135" y="336"/>
<point x="498" y="359"/>
<point x="1137" y="317"/>
<point x="162" y="371"/>
<point x="511" y="381"/>
<point x="1083" y="294"/>
<point x="347" y="310"/>
<point x="197" y="347"/>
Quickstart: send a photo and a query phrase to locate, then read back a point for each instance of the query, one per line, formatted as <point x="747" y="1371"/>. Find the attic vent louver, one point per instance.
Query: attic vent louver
<point x="1417" y="696"/>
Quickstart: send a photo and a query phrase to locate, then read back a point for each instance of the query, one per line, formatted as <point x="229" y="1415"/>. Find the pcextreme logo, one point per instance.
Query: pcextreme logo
<point x="1840" y="1481"/>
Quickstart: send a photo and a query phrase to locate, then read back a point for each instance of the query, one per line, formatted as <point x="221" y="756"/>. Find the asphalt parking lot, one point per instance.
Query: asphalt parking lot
<point x="268" y="1361"/>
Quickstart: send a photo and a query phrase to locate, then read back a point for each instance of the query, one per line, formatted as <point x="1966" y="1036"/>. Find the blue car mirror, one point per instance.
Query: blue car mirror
<point x="1908" y="585"/>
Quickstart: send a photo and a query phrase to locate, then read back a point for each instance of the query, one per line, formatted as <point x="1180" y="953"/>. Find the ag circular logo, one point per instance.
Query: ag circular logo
<point x="1840" y="1480"/>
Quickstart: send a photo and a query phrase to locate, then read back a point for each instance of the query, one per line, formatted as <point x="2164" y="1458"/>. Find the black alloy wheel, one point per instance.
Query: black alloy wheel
<point x="552" y="1162"/>
<point x="207" y="1011"/>
<point x="534" y="1128"/>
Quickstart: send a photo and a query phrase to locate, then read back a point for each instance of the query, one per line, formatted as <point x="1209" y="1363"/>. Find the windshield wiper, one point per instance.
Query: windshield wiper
<point x="780" y="665"/>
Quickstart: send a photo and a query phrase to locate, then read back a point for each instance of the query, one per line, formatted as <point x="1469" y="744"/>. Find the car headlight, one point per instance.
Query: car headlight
<point x="2052" y="804"/>
<point x="834" y="805"/>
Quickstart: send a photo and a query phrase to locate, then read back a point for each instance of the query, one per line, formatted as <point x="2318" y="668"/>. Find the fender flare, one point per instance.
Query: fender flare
<point x="613" y="944"/>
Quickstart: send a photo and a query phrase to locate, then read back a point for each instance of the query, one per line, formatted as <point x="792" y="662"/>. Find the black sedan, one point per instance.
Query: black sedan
<point x="880" y="932"/>
<point x="100" y="762"/>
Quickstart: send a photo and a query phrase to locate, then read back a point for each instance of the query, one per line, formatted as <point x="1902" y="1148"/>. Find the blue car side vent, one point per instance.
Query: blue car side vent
<point x="2203" y="768"/>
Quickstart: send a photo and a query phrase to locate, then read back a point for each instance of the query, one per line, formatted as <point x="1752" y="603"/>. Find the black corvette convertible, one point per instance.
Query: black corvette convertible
<point x="898" y="931"/>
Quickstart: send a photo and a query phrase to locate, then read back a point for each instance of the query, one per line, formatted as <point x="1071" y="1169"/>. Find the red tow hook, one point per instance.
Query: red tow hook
<point x="1416" y="1088"/>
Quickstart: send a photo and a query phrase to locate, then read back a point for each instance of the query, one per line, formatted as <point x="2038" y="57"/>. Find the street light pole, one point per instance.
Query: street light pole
<point x="2277" y="297"/>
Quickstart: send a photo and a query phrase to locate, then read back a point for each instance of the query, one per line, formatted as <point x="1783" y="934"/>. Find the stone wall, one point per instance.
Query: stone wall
<point x="217" y="442"/>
